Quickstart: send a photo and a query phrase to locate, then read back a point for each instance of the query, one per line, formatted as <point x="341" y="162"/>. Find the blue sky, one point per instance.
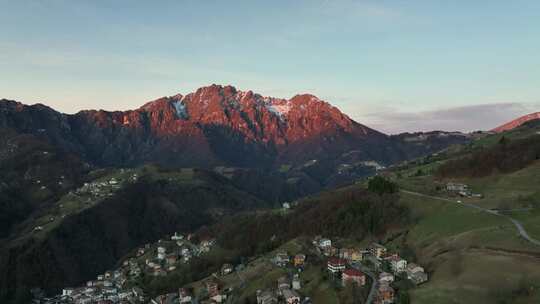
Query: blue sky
<point x="394" y="65"/>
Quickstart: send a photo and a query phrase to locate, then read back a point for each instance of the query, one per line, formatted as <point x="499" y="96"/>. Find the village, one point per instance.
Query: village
<point x="122" y="284"/>
<point x="374" y="269"/>
<point x="346" y="266"/>
<point x="89" y="194"/>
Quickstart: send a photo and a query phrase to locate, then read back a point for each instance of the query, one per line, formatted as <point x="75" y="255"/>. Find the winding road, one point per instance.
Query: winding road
<point x="373" y="277"/>
<point x="522" y="232"/>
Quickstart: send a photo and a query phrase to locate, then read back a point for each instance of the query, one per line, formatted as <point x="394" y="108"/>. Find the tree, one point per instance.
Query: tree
<point x="381" y="185"/>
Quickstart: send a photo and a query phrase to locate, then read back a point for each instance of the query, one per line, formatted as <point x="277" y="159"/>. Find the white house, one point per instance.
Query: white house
<point x="325" y="243"/>
<point x="397" y="264"/>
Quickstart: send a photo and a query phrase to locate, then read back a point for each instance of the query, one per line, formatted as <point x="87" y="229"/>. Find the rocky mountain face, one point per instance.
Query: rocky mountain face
<point x="517" y="122"/>
<point x="216" y="125"/>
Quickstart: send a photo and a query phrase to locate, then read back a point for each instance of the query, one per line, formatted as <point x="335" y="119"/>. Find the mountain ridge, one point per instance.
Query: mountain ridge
<point x="517" y="122"/>
<point x="215" y="125"/>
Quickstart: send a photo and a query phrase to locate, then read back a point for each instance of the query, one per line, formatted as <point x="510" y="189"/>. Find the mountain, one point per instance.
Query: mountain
<point x="216" y="125"/>
<point x="517" y="122"/>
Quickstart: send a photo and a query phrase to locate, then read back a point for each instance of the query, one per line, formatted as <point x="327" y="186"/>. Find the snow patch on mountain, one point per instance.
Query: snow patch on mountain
<point x="181" y="110"/>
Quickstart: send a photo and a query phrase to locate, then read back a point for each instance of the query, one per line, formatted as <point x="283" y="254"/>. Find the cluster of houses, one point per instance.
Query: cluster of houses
<point x="346" y="264"/>
<point x="120" y="285"/>
<point x="286" y="292"/>
<point x="108" y="288"/>
<point x="287" y="287"/>
<point x="461" y="190"/>
<point x="168" y="254"/>
<point x="102" y="188"/>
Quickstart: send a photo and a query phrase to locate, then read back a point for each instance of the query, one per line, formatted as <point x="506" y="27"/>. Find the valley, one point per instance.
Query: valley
<point x="155" y="204"/>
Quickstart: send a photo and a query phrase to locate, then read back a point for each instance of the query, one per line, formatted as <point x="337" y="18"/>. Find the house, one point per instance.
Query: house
<point x="385" y="277"/>
<point x="418" y="277"/>
<point x="330" y="251"/>
<point x="177" y="237"/>
<point x="283" y="283"/>
<point x="139" y="293"/>
<point x="266" y="297"/>
<point x="353" y="276"/>
<point x="291" y="296"/>
<point x="397" y="264"/>
<point x="281" y="259"/>
<point x="161" y="251"/>
<point x="456" y="187"/>
<point x="299" y="260"/>
<point x="184" y="296"/>
<point x="351" y="254"/>
<point x="413" y="268"/>
<point x="377" y="250"/>
<point x="226" y="269"/>
<point x="336" y="265"/>
<point x="212" y="288"/>
<point x="125" y="294"/>
<point x="325" y="243"/>
<point x="219" y="298"/>
<point x="171" y="259"/>
<point x="385" y="294"/>
<point x="209" y="242"/>
<point x="296" y="285"/>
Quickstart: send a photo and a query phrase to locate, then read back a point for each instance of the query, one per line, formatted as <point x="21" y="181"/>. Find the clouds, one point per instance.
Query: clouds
<point x="462" y="118"/>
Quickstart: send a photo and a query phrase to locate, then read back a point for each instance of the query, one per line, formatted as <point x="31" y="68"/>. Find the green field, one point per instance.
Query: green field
<point x="473" y="256"/>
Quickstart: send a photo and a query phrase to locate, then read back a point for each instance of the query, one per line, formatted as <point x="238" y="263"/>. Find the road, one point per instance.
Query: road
<point x="522" y="232"/>
<point x="373" y="277"/>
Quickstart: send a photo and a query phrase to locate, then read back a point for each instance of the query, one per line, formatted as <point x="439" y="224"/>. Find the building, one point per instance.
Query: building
<point x="283" y="283"/>
<point x="418" y="277"/>
<point x="397" y="264"/>
<point x="377" y="250"/>
<point x="353" y="276"/>
<point x="161" y="253"/>
<point x="266" y="297"/>
<point x="296" y="285"/>
<point x="281" y="259"/>
<point x="291" y="296"/>
<point x="299" y="260"/>
<point x="414" y="268"/>
<point x="212" y="288"/>
<point x="386" y="278"/>
<point x="457" y="187"/>
<point x="226" y="269"/>
<point x="385" y="294"/>
<point x="351" y="254"/>
<point x="325" y="243"/>
<point x="336" y="265"/>
<point x="184" y="296"/>
<point x="177" y="237"/>
<point x="171" y="259"/>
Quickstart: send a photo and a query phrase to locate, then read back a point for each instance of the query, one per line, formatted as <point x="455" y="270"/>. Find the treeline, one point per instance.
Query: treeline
<point x="352" y="212"/>
<point x="505" y="157"/>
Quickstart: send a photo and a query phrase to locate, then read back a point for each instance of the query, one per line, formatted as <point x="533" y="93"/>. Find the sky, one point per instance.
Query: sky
<point x="393" y="65"/>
